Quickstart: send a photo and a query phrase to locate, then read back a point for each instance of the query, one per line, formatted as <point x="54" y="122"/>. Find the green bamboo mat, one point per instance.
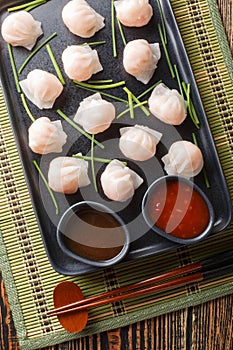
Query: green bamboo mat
<point x="28" y="276"/>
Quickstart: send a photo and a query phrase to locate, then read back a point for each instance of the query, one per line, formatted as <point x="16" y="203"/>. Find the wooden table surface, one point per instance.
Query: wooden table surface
<point x="208" y="326"/>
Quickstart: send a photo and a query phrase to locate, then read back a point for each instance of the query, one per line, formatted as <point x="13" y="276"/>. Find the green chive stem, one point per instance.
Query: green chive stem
<point x="149" y="89"/>
<point x="121" y="32"/>
<point x="26" y="107"/>
<point x="104" y="94"/>
<point x="166" y="52"/>
<point x="96" y="159"/>
<point x="24" y="6"/>
<point x="55" y="64"/>
<point x="162" y="21"/>
<point x="35" y="51"/>
<point x="93" y="43"/>
<point x="147" y="113"/>
<point x="103" y="81"/>
<point x="75" y="126"/>
<point x="104" y="87"/>
<point x="93" y="162"/>
<point x="178" y="79"/>
<point x="14" y="69"/>
<point x="194" y="139"/>
<point x="128" y="110"/>
<point x="31" y="7"/>
<point x="191" y="108"/>
<point x="113" y="30"/>
<point x="47" y="186"/>
<point x="131" y="108"/>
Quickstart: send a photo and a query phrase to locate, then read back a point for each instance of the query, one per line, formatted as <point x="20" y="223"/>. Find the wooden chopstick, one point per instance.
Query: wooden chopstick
<point x="214" y="266"/>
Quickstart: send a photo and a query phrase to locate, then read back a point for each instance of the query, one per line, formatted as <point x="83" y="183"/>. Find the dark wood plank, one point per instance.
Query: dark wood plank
<point x="204" y="327"/>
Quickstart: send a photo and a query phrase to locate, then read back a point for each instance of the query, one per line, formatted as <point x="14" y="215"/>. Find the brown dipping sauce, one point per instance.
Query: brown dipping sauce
<point x="94" y="235"/>
<point x="178" y="209"/>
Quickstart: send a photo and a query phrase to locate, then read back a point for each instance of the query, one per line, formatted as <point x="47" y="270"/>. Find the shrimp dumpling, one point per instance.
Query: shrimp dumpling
<point x="139" y="142"/>
<point x="183" y="158"/>
<point x="167" y="105"/>
<point x="133" y="13"/>
<point x="140" y="59"/>
<point x="68" y="174"/>
<point x="21" y="29"/>
<point x="95" y="114"/>
<point x="80" y="62"/>
<point x="81" y="19"/>
<point x="46" y="136"/>
<point x="41" y="88"/>
<point x="119" y="182"/>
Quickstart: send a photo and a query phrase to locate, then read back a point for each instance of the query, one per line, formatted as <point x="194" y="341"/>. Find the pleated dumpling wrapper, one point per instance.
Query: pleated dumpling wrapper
<point x="184" y="159"/>
<point x="81" y="19"/>
<point x="46" y="136"/>
<point x="133" y="13"/>
<point x="21" y="29"/>
<point x="41" y="88"/>
<point x="119" y="182"/>
<point x="68" y="174"/>
<point x="167" y="105"/>
<point x="80" y="62"/>
<point x="140" y="59"/>
<point x="95" y="114"/>
<point x="139" y="142"/>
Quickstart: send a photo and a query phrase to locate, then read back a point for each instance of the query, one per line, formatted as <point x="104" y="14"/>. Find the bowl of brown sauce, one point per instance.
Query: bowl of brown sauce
<point x="177" y="209"/>
<point x="93" y="234"/>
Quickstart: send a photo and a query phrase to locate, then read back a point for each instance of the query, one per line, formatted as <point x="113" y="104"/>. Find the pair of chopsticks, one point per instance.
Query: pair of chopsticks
<point x="217" y="265"/>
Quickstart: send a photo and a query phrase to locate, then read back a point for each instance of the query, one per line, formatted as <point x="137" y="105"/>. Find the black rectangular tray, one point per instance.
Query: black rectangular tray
<point x="144" y="241"/>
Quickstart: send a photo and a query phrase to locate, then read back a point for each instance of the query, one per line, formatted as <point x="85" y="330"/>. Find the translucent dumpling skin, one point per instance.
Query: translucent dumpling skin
<point x="95" y="114"/>
<point x="167" y="105"/>
<point x="139" y="142"/>
<point x="80" y="62"/>
<point x="21" y="29"/>
<point x="67" y="174"/>
<point x="133" y="13"/>
<point x="42" y="88"/>
<point x="183" y="158"/>
<point x="81" y="19"/>
<point x="119" y="182"/>
<point x="140" y="59"/>
<point x="46" y="136"/>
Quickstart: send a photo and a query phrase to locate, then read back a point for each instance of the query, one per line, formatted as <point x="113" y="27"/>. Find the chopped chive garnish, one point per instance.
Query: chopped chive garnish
<point x="113" y="30"/>
<point x="191" y="108"/>
<point x="104" y="94"/>
<point x="121" y="32"/>
<point x="14" y="69"/>
<point x="35" y="51"/>
<point x="55" y="64"/>
<point x="75" y="126"/>
<point x="207" y="183"/>
<point x="166" y="51"/>
<point x="128" y="110"/>
<point x="130" y="100"/>
<point x="31" y="7"/>
<point x="96" y="159"/>
<point x="25" y="6"/>
<point x="103" y="81"/>
<point x="93" y="162"/>
<point x="47" y="186"/>
<point x="26" y="107"/>
<point x="93" y="43"/>
<point x="107" y="86"/>
<point x="147" y="113"/>
<point x="162" y="21"/>
<point x="149" y="89"/>
<point x="178" y="79"/>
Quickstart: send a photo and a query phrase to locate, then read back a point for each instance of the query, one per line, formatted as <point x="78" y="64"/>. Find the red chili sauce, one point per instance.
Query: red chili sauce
<point x="178" y="209"/>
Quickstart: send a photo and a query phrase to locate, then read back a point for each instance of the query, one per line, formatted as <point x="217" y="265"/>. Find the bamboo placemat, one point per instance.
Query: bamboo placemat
<point x="28" y="275"/>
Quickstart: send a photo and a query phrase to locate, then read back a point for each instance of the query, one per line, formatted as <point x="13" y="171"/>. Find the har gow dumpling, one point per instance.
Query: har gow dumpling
<point x="42" y="88"/>
<point x="140" y="59"/>
<point x="95" y="114"/>
<point x="81" y="19"/>
<point x="21" y="29"/>
<point x="46" y="136"/>
<point x="119" y="182"/>
<point x="67" y="174"/>
<point x="167" y="105"/>
<point x="183" y="158"/>
<point x="133" y="13"/>
<point x="139" y="142"/>
<point x="80" y="62"/>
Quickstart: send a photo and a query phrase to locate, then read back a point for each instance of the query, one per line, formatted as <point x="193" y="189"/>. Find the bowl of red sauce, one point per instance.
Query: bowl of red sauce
<point x="177" y="209"/>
